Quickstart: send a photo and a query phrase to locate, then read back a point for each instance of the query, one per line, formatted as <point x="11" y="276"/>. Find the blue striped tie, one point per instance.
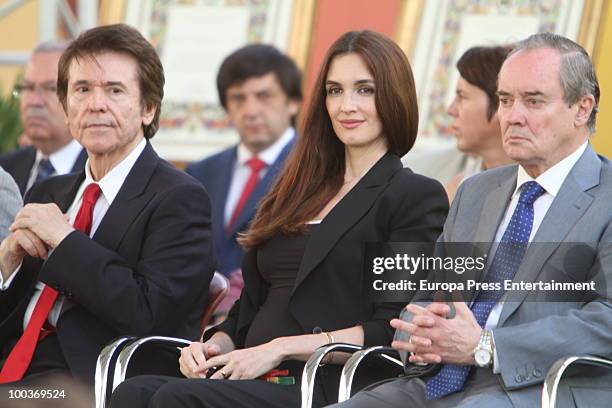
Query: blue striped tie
<point x="45" y="169"/>
<point x="508" y="257"/>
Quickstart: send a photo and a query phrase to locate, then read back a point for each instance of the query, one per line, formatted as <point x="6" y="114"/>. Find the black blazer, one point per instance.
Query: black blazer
<point x="19" y="164"/>
<point x="146" y="271"/>
<point x="389" y="204"/>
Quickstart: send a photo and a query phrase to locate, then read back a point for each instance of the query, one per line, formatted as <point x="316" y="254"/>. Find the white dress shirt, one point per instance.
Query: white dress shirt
<point x="62" y="160"/>
<point x="110" y="185"/>
<point x="242" y="171"/>
<point x="551" y="181"/>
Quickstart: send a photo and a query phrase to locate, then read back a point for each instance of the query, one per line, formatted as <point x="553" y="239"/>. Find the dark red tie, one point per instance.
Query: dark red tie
<point x="20" y="357"/>
<point x="256" y="166"/>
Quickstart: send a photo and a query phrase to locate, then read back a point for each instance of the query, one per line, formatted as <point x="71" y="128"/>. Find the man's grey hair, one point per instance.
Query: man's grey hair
<point x="51" y="46"/>
<point x="577" y="74"/>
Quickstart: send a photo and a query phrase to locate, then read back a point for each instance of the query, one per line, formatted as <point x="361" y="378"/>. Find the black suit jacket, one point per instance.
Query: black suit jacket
<point x="146" y="270"/>
<point x="19" y="164"/>
<point x="389" y="204"/>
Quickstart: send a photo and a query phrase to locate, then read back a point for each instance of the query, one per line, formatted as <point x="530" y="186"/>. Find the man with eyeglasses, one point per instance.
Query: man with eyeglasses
<point x="53" y="150"/>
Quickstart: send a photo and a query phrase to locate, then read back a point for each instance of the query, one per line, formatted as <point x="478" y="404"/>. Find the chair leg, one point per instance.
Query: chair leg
<point x="553" y="378"/>
<point x="105" y="361"/>
<point x="351" y="365"/>
<point x="123" y="361"/>
<point x="313" y="363"/>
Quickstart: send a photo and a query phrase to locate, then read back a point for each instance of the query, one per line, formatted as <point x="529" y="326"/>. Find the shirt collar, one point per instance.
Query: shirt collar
<point x="111" y="183"/>
<point x="552" y="179"/>
<point x="63" y="159"/>
<point x="268" y="155"/>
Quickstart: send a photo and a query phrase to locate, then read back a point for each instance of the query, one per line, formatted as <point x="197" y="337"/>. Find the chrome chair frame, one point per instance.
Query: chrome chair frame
<point x="103" y="364"/>
<point x="310" y="368"/>
<point x="549" y="391"/>
<point x="350" y="368"/>
<point x="554" y="375"/>
<point x="108" y="355"/>
<point x="125" y="356"/>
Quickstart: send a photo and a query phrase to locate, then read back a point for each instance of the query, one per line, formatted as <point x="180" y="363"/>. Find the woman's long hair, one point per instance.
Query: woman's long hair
<point x="314" y="171"/>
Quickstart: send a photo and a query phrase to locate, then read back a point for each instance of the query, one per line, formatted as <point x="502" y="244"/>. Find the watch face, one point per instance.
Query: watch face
<point x="482" y="357"/>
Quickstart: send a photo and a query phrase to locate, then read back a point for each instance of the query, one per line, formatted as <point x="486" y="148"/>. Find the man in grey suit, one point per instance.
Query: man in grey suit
<point x="496" y="351"/>
<point x="10" y="202"/>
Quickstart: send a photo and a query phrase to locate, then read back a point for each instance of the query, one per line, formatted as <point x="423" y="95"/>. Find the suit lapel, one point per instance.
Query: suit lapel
<point x="24" y="169"/>
<point x="79" y="163"/>
<point x="346" y="213"/>
<point x="130" y="200"/>
<point x="64" y="196"/>
<point x="248" y="211"/>
<point x="493" y="209"/>
<point x="489" y="218"/>
<point x="568" y="207"/>
<point x="219" y="197"/>
<point x="260" y="191"/>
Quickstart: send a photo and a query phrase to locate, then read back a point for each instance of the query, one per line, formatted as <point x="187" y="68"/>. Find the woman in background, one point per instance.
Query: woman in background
<point x="344" y="185"/>
<point x="474" y="112"/>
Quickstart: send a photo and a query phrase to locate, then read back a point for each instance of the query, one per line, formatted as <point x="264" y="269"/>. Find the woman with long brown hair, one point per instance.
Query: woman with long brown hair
<point x="343" y="186"/>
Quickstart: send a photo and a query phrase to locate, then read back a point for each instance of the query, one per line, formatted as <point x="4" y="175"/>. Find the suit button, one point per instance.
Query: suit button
<point x="518" y="378"/>
<point x="317" y="330"/>
<point x="537" y="373"/>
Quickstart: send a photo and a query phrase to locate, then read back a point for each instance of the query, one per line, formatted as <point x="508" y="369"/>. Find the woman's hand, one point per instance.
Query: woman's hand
<point x="194" y="358"/>
<point x="247" y="364"/>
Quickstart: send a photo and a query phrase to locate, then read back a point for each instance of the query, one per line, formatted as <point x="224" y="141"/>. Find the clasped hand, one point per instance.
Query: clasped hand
<point x="37" y="228"/>
<point x="435" y="339"/>
<point x="242" y="364"/>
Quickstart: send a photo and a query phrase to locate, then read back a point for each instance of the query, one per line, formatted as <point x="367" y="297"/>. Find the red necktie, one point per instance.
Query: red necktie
<point x="20" y="357"/>
<point x="256" y="166"/>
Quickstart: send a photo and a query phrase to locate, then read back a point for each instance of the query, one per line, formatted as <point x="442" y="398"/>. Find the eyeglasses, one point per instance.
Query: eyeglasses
<point x="46" y="89"/>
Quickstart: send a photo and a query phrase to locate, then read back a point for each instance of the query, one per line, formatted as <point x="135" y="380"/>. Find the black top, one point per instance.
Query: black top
<point x="278" y="261"/>
<point x="388" y="204"/>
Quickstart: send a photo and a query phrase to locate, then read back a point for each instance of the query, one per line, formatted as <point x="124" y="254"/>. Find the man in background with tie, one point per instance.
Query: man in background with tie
<point x="260" y="89"/>
<point x="551" y="216"/>
<point x="53" y="150"/>
<point x="122" y="248"/>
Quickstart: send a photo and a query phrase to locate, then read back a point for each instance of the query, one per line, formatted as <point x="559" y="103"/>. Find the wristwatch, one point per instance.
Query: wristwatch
<point x="483" y="353"/>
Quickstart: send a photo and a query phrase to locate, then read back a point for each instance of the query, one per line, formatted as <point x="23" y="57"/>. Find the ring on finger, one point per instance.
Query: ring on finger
<point x="224" y="374"/>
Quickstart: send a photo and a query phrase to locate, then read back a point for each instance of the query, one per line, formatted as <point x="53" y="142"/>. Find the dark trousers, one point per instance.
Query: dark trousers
<point x="160" y="391"/>
<point x="48" y="371"/>
<point x="48" y="357"/>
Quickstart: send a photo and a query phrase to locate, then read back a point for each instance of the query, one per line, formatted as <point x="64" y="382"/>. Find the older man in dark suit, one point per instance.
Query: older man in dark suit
<point x="123" y="247"/>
